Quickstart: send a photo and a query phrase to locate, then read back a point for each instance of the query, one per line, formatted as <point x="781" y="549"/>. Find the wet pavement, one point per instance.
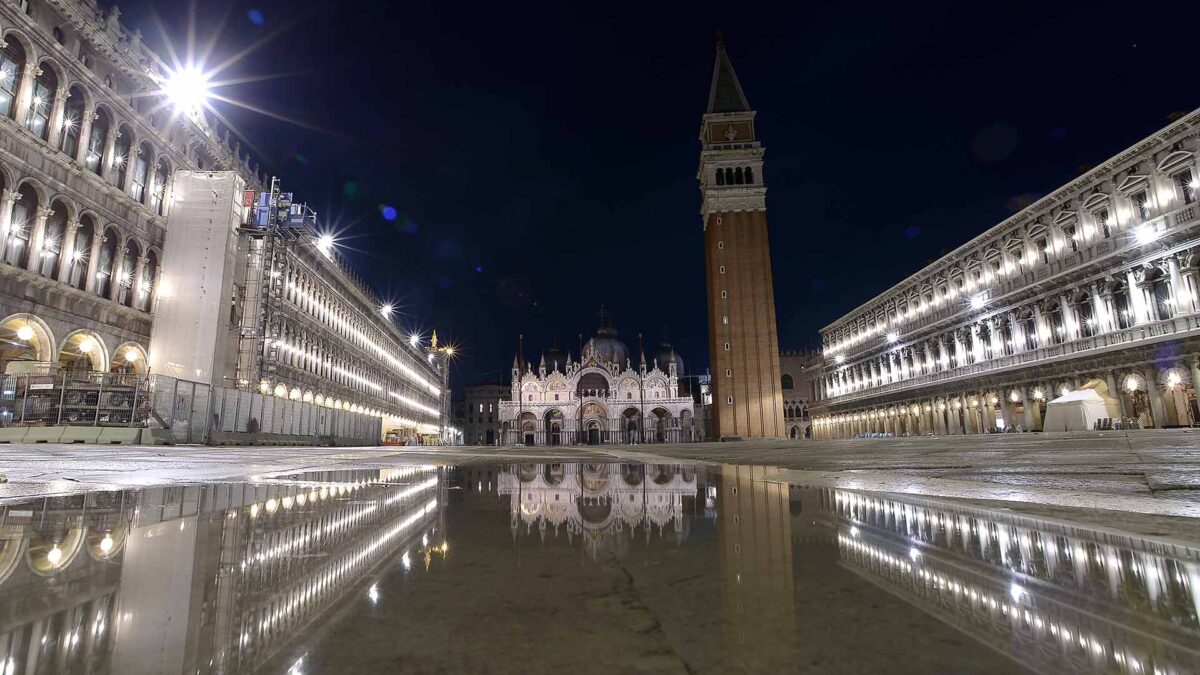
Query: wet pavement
<point x="603" y="567"/>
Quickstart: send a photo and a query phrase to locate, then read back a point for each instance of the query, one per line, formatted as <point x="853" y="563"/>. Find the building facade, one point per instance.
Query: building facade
<point x="1094" y="285"/>
<point x="599" y="399"/>
<point x="93" y="165"/>
<point x="743" y="342"/>
<point x="481" y="413"/>
<point x="800" y="376"/>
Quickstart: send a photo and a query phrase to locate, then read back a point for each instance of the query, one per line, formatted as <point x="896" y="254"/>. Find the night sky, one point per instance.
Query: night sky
<point x="540" y="161"/>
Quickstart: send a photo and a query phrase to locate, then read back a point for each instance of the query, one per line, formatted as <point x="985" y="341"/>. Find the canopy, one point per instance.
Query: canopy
<point x="1078" y="410"/>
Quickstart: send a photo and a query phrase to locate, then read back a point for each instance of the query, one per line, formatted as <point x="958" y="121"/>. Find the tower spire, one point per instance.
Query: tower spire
<point x="725" y="95"/>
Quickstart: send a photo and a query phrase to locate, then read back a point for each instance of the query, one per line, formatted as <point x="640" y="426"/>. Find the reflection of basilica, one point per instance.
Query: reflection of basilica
<point x="1053" y="596"/>
<point x="604" y="504"/>
<point x="196" y="579"/>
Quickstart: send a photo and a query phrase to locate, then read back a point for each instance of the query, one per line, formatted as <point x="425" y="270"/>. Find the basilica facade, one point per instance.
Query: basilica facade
<point x="1095" y="286"/>
<point x="601" y="398"/>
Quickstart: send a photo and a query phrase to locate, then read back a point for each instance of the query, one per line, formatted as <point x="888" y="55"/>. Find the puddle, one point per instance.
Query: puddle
<point x="583" y="568"/>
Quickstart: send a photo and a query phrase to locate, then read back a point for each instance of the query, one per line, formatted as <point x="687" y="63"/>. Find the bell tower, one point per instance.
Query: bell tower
<point x="743" y="342"/>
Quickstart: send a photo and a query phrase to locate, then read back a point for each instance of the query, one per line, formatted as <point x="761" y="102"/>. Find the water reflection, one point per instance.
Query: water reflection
<point x="604" y="504"/>
<point x="711" y="570"/>
<point x="198" y="579"/>
<point x="1052" y="595"/>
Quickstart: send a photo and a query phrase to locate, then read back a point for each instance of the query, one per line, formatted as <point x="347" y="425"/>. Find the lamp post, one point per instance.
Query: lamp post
<point x="445" y="353"/>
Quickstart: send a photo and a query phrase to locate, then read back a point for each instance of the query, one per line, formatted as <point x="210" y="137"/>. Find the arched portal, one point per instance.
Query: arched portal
<point x="26" y="345"/>
<point x="82" y="353"/>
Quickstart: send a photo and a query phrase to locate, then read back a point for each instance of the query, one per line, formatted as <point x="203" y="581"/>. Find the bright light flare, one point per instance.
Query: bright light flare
<point x="386" y="311"/>
<point x="325" y="243"/>
<point x="977" y="302"/>
<point x="893" y="337"/>
<point x="187" y="89"/>
<point x="1145" y="234"/>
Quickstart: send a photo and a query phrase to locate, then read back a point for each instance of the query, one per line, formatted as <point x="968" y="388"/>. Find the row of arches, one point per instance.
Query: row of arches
<point x="28" y="346"/>
<point x="36" y="95"/>
<point x="51" y="237"/>
<point x="1157" y="396"/>
<point x="735" y="176"/>
<point x="597" y="427"/>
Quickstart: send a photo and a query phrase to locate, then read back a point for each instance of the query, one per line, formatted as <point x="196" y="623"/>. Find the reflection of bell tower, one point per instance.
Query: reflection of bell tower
<point x="742" y="341"/>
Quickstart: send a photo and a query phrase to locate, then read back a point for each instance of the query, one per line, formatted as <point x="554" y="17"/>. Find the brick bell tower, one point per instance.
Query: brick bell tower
<point x="742" y="340"/>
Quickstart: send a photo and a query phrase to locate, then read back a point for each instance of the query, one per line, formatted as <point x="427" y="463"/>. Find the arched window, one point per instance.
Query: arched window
<point x="141" y="170"/>
<point x="126" y="294"/>
<point x="738" y="178"/>
<point x="788" y="382"/>
<point x="80" y="252"/>
<point x="44" y="88"/>
<point x="95" y="158"/>
<point x="72" y="123"/>
<point x="145" y="285"/>
<point x="749" y="175"/>
<point x="56" y="226"/>
<point x="104" y="265"/>
<point x="24" y="210"/>
<point x="720" y="176"/>
<point x="158" y="187"/>
<point x="120" y="161"/>
<point x="12" y="65"/>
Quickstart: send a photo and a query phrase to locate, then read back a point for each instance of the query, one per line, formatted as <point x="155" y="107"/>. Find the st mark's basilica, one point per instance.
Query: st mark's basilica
<point x="604" y="397"/>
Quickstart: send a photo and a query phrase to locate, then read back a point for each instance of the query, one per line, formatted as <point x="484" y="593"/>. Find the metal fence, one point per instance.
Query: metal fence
<point x="74" y="398"/>
<point x="194" y="412"/>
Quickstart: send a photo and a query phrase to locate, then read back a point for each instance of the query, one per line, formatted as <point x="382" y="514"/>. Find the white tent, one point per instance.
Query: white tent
<point x="1078" y="410"/>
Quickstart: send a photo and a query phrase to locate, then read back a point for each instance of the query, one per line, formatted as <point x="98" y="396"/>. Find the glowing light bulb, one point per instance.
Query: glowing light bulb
<point x="25" y="333"/>
<point x="86" y="345"/>
<point x="131" y="356"/>
<point x="54" y="556"/>
<point x="187" y="89"/>
<point x="106" y="544"/>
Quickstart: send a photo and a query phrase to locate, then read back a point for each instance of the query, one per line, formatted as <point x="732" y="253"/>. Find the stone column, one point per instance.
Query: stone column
<point x="25" y="92"/>
<point x="952" y="414"/>
<point x="989" y="412"/>
<point x="1041" y="330"/>
<point x="36" y="234"/>
<point x="1179" y="291"/>
<point x="1099" y="316"/>
<point x="114" y="288"/>
<point x="1006" y="409"/>
<point x="1194" y="367"/>
<point x="1158" y="408"/>
<point x="1017" y="333"/>
<point x="85" y="134"/>
<point x="939" y="419"/>
<point x="65" y="250"/>
<point x="56" y="116"/>
<point x="139" y="268"/>
<point x="93" y="261"/>
<point x="1108" y="306"/>
<point x="1136" y="299"/>
<point x="1033" y="411"/>
<point x="106" y="162"/>
<point x="943" y="357"/>
<point x="127" y="184"/>
<point x="8" y="197"/>
<point x="1070" y="330"/>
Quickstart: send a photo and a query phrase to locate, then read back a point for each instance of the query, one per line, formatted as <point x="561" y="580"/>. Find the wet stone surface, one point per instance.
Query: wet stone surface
<point x="584" y="568"/>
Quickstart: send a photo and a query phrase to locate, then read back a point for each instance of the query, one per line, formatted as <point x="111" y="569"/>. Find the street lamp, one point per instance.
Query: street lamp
<point x="187" y="89"/>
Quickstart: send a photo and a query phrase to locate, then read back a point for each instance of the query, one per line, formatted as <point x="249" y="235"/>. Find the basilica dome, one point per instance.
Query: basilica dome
<point x="664" y="355"/>
<point x="604" y="346"/>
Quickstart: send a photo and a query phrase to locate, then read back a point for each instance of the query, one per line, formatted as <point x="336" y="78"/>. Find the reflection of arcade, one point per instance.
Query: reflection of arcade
<point x="603" y="503"/>
<point x="197" y="579"/>
<point x="1051" y="595"/>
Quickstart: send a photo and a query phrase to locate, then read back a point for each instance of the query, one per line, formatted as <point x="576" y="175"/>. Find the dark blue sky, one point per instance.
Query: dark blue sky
<point x="542" y="157"/>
